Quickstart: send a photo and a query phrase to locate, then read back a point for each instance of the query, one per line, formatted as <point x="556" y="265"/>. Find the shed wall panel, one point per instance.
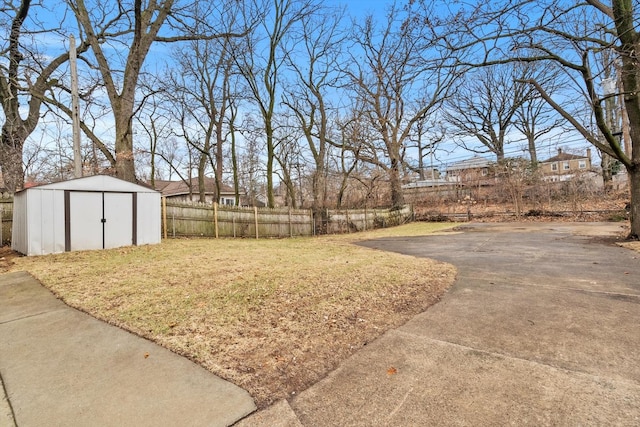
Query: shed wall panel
<point x="149" y="219"/>
<point x="46" y="221"/>
<point x="20" y="232"/>
<point x="58" y="223"/>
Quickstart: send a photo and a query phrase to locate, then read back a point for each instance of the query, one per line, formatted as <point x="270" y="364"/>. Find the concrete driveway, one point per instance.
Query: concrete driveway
<point x="542" y="327"/>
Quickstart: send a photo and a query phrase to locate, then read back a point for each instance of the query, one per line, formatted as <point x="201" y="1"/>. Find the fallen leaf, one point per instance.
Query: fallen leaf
<point x="146" y="355"/>
<point x="392" y="371"/>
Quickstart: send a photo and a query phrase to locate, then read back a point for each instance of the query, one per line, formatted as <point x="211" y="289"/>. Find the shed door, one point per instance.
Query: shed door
<point x="85" y="226"/>
<point x="118" y="225"/>
<point x="97" y="220"/>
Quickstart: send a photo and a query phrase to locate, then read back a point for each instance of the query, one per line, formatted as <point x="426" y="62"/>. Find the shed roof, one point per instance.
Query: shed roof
<point x="95" y="183"/>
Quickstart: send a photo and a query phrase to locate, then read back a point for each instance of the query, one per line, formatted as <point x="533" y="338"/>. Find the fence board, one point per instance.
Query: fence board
<point x="6" y="220"/>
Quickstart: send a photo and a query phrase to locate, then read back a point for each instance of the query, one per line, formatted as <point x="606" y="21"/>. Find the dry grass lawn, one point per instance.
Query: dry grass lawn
<point x="272" y="316"/>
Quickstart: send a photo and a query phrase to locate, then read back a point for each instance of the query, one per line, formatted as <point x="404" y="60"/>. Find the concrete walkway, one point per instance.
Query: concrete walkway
<point x="61" y="367"/>
<point x="541" y="328"/>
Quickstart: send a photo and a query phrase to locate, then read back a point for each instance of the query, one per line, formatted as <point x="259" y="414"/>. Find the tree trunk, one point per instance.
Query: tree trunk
<point x="219" y="157"/>
<point x="291" y="190"/>
<point x="397" y="196"/>
<point x="11" y="160"/>
<point x="125" y="167"/>
<point x="531" y="139"/>
<point x="270" y="156"/>
<point x="318" y="186"/>
<point x="234" y="157"/>
<point x="607" y="176"/>
<point x="634" y="214"/>
<point x="202" y="164"/>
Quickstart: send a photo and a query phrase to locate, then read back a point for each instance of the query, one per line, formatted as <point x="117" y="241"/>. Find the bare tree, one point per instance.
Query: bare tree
<point x="428" y="133"/>
<point x="570" y="36"/>
<point x="250" y="167"/>
<point x="261" y="64"/>
<point x="134" y="25"/>
<point x="233" y="115"/>
<point x="26" y="74"/>
<point x="534" y="117"/>
<point x="485" y="106"/>
<point x="393" y="66"/>
<point x="201" y="90"/>
<point x="155" y="123"/>
<point x="287" y="153"/>
<point x="316" y="68"/>
<point x="514" y="176"/>
<point x="353" y="135"/>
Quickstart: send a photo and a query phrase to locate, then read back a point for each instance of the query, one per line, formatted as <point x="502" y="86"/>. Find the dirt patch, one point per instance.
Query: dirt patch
<point x="7" y="257"/>
<point x="590" y="209"/>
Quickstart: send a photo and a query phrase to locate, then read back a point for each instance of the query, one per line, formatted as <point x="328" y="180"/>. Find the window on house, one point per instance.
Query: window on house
<point x="554" y="166"/>
<point x="565" y="166"/>
<point x="582" y="164"/>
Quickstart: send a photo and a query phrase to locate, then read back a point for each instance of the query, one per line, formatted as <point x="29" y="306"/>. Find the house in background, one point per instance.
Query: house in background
<point x="189" y="191"/>
<point x="474" y="171"/>
<point x="564" y="166"/>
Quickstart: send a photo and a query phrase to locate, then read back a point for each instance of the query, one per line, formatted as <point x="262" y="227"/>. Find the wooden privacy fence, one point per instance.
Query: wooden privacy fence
<point x="206" y="220"/>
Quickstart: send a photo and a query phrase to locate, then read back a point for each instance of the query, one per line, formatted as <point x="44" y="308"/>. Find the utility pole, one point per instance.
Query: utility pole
<point x="75" y="107"/>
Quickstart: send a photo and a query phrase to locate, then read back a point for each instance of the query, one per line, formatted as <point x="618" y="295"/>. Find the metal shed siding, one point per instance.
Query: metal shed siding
<point x="45" y="222"/>
<point x="19" y="231"/>
<point x="149" y="218"/>
<point x="40" y="216"/>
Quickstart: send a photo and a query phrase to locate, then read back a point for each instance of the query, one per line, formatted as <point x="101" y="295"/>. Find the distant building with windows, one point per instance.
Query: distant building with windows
<point x="475" y="171"/>
<point x="189" y="190"/>
<point x="564" y="166"/>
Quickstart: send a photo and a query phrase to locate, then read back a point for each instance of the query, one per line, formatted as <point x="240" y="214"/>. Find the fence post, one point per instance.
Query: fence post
<point x="313" y="223"/>
<point x="290" y="226"/>
<point x="215" y="218"/>
<point x="348" y="223"/>
<point x="164" y="215"/>
<point x="255" y="214"/>
<point x="233" y="222"/>
<point x="365" y="218"/>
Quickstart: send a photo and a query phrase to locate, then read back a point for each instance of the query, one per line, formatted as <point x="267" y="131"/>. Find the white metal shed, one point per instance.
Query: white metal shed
<point x="94" y="212"/>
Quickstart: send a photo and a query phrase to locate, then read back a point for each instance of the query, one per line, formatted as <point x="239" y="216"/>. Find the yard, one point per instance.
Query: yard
<point x="272" y="316"/>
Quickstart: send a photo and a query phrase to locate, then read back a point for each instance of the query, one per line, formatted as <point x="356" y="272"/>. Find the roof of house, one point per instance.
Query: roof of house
<point x="177" y="188"/>
<point x="563" y="157"/>
<point x="476" y="162"/>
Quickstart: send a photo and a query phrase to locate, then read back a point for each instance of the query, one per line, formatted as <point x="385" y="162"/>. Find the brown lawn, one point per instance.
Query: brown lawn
<point x="272" y="316"/>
